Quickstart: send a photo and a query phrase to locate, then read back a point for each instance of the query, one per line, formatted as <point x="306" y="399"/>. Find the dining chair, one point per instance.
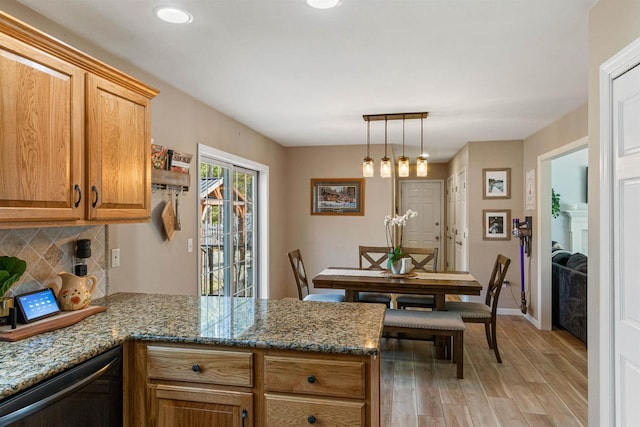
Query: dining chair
<point x="374" y="258"/>
<point x="300" y="274"/>
<point x="477" y="312"/>
<point x="420" y="257"/>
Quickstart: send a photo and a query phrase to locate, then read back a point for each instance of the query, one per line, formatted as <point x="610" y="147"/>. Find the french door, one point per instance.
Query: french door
<point x="228" y="229"/>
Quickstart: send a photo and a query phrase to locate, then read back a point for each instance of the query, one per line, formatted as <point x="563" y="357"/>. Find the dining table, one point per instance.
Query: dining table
<point x="355" y="280"/>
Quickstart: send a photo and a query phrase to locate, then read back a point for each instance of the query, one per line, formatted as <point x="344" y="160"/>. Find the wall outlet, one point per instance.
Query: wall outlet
<point x="505" y="283"/>
<point x="115" y="258"/>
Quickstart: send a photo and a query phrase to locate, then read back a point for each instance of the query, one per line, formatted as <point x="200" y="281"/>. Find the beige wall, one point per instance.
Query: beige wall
<point x="148" y="262"/>
<point x="566" y="130"/>
<point x="330" y="240"/>
<point x="613" y="25"/>
<point x="482" y="253"/>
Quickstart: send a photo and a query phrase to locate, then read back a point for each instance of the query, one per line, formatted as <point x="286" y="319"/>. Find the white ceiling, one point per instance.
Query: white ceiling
<point x="483" y="69"/>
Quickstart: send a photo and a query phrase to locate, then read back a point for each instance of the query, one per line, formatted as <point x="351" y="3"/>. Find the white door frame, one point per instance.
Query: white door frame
<point x="543" y="313"/>
<point x="604" y="412"/>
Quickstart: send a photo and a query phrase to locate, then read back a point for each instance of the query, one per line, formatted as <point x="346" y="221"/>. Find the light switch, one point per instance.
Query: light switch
<point x="189" y="245"/>
<point x="115" y="258"/>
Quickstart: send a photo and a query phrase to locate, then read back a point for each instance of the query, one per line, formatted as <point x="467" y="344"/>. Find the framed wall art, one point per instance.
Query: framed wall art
<point x="497" y="183"/>
<point x="337" y="196"/>
<point x="496" y="224"/>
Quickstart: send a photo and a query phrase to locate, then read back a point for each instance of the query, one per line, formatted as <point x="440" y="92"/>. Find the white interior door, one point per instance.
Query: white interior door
<point x="460" y="230"/>
<point x="424" y="197"/>
<point x="626" y="244"/>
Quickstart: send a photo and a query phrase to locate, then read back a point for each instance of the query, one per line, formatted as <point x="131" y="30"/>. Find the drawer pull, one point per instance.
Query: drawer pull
<point x="311" y="379"/>
<point x="244" y="416"/>
<point x="311" y="419"/>
<point x="195" y="367"/>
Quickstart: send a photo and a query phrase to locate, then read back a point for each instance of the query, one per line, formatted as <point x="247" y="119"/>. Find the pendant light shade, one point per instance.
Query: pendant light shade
<point x="367" y="163"/>
<point x="403" y="161"/>
<point x="422" y="166"/>
<point x="385" y="163"/>
<point x="421" y="161"/>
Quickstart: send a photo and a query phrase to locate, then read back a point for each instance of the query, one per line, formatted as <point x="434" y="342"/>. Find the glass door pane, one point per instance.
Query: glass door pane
<point x="227" y="240"/>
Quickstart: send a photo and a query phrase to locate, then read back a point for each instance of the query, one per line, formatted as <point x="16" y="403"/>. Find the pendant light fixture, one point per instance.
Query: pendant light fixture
<point x="421" y="161"/>
<point x="367" y="164"/>
<point x="385" y="163"/>
<point x="403" y="161"/>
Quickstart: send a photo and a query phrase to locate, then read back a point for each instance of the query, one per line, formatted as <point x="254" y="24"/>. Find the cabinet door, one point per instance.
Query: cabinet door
<point x="41" y="135"/>
<point x="118" y="152"/>
<point x="178" y="406"/>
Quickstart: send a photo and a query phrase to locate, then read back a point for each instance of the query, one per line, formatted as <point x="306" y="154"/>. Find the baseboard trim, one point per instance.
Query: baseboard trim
<point x="533" y="321"/>
<point x="510" y="311"/>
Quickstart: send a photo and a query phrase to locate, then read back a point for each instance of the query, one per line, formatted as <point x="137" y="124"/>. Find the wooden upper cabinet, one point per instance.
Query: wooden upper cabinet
<point x="41" y="135"/>
<point x="75" y="135"/>
<point x="118" y="152"/>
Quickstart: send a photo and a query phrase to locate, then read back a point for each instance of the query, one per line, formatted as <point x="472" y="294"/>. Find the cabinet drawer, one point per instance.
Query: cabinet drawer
<point x="315" y="376"/>
<point x="283" y="411"/>
<point x="200" y="365"/>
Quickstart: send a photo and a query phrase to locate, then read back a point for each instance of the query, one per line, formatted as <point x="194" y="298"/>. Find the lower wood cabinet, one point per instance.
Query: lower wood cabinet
<point x="185" y="385"/>
<point x="190" y="406"/>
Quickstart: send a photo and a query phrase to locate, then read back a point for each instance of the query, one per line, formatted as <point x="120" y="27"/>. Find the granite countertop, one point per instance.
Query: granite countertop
<point x="236" y="322"/>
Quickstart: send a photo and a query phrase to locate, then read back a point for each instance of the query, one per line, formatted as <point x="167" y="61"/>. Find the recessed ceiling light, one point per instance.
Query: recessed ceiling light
<point x="323" y="4"/>
<point x="173" y="15"/>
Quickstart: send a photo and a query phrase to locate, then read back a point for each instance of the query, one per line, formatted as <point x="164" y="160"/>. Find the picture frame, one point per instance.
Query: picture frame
<point x="497" y="183"/>
<point x="337" y="196"/>
<point x="496" y="224"/>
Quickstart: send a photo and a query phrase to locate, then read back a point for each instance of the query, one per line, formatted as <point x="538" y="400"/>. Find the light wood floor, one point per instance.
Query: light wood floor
<point x="541" y="382"/>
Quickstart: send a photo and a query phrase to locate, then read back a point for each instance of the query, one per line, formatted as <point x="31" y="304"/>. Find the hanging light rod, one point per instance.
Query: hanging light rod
<point x="394" y="116"/>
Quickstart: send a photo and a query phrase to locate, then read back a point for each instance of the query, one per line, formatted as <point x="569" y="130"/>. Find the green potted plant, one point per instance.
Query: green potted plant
<point x="555" y="204"/>
<point x="11" y="269"/>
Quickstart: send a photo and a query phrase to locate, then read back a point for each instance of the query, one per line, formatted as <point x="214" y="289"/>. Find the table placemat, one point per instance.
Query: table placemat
<point x="346" y="272"/>
<point x="445" y="276"/>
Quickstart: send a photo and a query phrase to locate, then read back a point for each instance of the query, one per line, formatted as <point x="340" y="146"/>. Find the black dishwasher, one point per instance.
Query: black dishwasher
<point x="89" y="394"/>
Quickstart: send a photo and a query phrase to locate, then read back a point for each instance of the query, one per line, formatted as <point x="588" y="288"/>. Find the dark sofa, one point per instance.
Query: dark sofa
<point x="569" y="293"/>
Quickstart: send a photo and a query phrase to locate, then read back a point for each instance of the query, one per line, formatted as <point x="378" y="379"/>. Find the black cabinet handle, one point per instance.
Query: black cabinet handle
<point x="244" y="416"/>
<point x="311" y="419"/>
<point x="195" y="367"/>
<point x="311" y="379"/>
<point x="95" y="201"/>
<point x="77" y="188"/>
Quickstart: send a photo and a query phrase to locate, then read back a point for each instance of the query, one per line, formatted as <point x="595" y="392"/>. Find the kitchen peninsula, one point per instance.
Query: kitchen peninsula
<point x="257" y="360"/>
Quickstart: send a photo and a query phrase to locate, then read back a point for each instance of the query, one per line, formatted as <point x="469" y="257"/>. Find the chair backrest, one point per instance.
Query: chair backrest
<point x="495" y="282"/>
<point x="421" y="257"/>
<point x="374" y="257"/>
<point x="300" y="274"/>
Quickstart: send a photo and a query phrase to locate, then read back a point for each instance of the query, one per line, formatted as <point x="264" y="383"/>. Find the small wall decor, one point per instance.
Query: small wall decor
<point x="530" y="191"/>
<point x="337" y="196"/>
<point x="496" y="224"/>
<point x="497" y="183"/>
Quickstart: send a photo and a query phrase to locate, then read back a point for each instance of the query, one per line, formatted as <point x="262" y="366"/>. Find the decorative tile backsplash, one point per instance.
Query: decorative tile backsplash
<point x="49" y="251"/>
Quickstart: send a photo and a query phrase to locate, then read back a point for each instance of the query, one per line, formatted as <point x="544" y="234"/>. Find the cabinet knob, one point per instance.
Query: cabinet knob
<point x="311" y="379"/>
<point x="195" y="367"/>
<point x="311" y="419"/>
